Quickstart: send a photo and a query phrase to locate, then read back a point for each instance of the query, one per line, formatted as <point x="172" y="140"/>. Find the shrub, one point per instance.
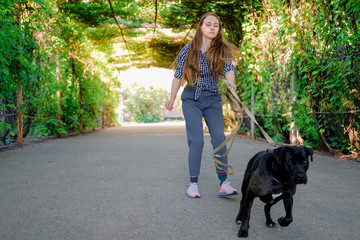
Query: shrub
<point x="145" y="105"/>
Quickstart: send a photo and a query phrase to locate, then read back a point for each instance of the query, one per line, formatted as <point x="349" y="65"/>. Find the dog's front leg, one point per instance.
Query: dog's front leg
<point x="244" y="229"/>
<point x="240" y="215"/>
<point x="288" y="204"/>
<point x="269" y="222"/>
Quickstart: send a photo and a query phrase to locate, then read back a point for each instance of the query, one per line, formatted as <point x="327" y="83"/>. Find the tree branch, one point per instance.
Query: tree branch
<point x="117" y="23"/>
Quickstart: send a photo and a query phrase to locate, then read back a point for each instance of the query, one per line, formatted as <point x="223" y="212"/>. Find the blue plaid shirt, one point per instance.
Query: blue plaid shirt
<point x="205" y="83"/>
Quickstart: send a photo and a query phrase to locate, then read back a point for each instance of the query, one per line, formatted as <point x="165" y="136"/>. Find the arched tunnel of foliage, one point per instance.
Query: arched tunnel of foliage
<point x="299" y="61"/>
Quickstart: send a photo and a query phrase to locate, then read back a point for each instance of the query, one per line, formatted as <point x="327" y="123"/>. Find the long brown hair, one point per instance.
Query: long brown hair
<point x="218" y="53"/>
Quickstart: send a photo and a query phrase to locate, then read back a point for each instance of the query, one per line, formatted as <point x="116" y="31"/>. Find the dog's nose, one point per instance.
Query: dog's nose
<point x="300" y="178"/>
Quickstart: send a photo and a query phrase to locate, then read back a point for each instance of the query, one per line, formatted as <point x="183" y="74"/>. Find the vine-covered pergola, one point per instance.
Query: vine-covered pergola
<point x="163" y="34"/>
<point x="299" y="62"/>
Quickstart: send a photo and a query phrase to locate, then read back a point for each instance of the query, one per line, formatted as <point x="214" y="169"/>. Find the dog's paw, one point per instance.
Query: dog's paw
<point x="271" y="224"/>
<point x="243" y="234"/>
<point x="284" y="222"/>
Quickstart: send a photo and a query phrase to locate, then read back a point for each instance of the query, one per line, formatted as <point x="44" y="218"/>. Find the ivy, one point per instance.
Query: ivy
<point x="59" y="76"/>
<point x="300" y="59"/>
<point x="315" y="43"/>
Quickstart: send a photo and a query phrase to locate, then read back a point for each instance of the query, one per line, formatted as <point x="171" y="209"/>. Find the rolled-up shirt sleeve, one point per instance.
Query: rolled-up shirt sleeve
<point x="228" y="66"/>
<point x="181" y="61"/>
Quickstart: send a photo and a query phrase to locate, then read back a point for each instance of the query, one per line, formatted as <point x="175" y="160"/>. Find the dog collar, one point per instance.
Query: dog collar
<point x="278" y="181"/>
<point x="271" y="151"/>
<point x="275" y="179"/>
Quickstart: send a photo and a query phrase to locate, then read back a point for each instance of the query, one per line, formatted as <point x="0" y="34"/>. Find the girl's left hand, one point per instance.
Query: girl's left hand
<point x="231" y="86"/>
<point x="230" y="79"/>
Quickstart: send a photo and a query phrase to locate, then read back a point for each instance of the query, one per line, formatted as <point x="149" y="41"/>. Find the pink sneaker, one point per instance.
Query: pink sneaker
<point x="226" y="190"/>
<point x="193" y="191"/>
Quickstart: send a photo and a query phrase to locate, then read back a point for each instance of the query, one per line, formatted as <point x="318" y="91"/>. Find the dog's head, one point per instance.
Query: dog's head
<point x="294" y="162"/>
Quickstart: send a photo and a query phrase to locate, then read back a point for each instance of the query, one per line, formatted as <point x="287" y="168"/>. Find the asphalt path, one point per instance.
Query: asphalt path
<point x="129" y="182"/>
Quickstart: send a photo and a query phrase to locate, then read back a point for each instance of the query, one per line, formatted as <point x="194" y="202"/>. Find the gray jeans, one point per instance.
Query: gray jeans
<point x="207" y="106"/>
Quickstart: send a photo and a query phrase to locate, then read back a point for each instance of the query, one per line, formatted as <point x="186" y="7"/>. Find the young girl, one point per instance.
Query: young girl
<point x="199" y="65"/>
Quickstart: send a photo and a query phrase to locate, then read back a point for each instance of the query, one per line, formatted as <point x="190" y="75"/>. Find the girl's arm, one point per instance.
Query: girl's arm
<point x="175" y="86"/>
<point x="230" y="77"/>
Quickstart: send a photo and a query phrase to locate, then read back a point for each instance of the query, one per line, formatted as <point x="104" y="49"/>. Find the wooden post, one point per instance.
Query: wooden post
<point x="109" y="111"/>
<point x="109" y="115"/>
<point x="295" y="138"/>
<point x="19" y="98"/>
<point x="58" y="94"/>
<point x="293" y="130"/>
<point x="94" y="125"/>
<point x="102" y="115"/>
<point x="19" y="117"/>
<point x="81" y="106"/>
<point x="102" y="107"/>
<point x="252" y="124"/>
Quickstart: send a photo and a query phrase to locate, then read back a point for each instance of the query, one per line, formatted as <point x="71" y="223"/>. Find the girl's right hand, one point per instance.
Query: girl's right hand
<point x="170" y="105"/>
<point x="175" y="85"/>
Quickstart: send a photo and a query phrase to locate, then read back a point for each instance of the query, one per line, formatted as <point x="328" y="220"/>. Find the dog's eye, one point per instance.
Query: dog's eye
<point x="290" y="162"/>
<point x="306" y="162"/>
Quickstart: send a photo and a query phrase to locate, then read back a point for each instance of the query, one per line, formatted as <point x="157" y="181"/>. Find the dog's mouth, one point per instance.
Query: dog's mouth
<point x="300" y="178"/>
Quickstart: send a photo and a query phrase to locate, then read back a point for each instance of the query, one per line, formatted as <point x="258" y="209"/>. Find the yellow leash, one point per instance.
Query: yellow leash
<point x="237" y="106"/>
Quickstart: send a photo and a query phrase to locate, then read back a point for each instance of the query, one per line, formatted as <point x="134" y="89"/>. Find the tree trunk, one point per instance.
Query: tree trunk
<point x="295" y="138"/>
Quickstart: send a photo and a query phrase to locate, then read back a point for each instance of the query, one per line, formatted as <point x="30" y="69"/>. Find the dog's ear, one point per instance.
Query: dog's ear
<point x="309" y="152"/>
<point x="279" y="154"/>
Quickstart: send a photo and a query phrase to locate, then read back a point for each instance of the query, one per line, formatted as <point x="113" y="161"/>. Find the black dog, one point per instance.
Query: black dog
<point x="272" y="176"/>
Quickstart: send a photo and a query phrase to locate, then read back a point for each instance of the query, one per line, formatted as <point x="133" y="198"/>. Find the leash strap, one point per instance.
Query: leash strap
<point x="239" y="117"/>
<point x="247" y="111"/>
<point x="218" y="163"/>
<point x="237" y="106"/>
